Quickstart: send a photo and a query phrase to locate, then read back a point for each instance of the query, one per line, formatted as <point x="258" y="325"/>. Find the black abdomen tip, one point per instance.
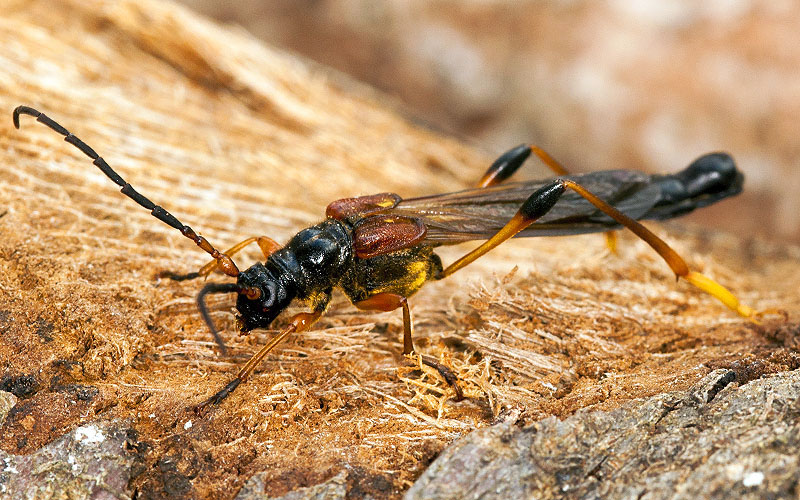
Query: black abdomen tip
<point x="712" y="173"/>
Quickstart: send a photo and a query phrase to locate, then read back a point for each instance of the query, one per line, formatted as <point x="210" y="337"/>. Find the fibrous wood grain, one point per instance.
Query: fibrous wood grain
<point x="237" y="139"/>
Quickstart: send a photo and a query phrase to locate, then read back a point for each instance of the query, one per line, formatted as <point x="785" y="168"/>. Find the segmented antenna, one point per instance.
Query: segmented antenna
<point x="225" y="263"/>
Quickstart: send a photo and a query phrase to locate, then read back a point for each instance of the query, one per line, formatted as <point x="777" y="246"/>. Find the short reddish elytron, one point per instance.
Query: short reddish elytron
<point x="379" y="249"/>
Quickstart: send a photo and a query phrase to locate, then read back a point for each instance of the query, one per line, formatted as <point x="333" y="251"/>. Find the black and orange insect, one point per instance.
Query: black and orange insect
<point x="379" y="249"/>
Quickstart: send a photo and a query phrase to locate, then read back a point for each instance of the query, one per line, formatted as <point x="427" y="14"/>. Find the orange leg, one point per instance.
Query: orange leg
<point x="540" y="202"/>
<point x="268" y="247"/>
<point x="548" y="160"/>
<point x="508" y="163"/>
<point x="611" y="241"/>
<point x="670" y="256"/>
<point x="298" y="323"/>
<point x="390" y="302"/>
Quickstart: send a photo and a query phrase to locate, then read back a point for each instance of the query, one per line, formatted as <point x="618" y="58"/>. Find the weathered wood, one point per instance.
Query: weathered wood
<point x="237" y="140"/>
<point x="716" y="440"/>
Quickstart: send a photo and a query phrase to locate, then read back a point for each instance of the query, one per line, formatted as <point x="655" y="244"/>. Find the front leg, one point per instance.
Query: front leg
<point x="267" y="245"/>
<point x="298" y="323"/>
<point x="391" y="301"/>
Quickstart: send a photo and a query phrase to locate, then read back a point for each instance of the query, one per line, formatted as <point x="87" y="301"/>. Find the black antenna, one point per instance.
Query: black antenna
<point x="224" y="261"/>
<point x="201" y="305"/>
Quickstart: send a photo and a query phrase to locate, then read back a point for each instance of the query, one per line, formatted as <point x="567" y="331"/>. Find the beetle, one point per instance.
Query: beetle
<point x="379" y="249"/>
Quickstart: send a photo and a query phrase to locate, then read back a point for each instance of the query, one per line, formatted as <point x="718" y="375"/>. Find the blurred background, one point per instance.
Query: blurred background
<point x="646" y="85"/>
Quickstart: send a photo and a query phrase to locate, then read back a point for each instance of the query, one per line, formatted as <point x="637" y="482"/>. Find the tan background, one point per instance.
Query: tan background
<point x="643" y="85"/>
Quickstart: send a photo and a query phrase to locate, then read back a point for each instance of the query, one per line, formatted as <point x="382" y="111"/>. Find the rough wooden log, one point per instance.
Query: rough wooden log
<point x="237" y="139"/>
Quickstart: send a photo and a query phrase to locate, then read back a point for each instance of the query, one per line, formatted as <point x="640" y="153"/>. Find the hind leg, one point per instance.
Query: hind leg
<point x="541" y="201"/>
<point x="510" y="161"/>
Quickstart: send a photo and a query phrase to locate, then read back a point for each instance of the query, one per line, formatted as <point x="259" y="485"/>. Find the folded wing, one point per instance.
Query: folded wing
<point x="476" y="214"/>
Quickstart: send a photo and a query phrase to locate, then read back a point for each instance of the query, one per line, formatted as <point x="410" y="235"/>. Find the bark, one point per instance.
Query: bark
<point x="699" y="443"/>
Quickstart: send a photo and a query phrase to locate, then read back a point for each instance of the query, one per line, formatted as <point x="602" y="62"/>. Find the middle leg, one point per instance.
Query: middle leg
<point x="389" y="302"/>
<point x="298" y="323"/>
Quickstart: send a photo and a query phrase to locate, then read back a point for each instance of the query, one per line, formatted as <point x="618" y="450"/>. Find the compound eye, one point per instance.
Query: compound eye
<point x="268" y="293"/>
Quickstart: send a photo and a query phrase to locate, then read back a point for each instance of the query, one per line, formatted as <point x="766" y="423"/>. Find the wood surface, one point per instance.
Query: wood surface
<point x="238" y="139"/>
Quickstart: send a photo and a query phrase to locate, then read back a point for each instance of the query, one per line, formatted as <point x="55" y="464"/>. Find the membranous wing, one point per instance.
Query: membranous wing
<point x="477" y="214"/>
